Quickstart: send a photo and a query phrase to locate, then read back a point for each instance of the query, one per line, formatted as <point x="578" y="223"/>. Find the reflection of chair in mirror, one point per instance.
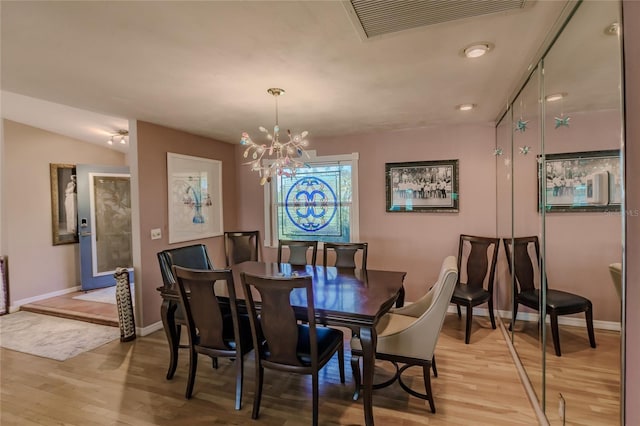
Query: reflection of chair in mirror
<point x="212" y="330"/>
<point x="284" y="344"/>
<point x="476" y="269"/>
<point x="615" y="269"/>
<point x="409" y="335"/>
<point x="195" y="257"/>
<point x="526" y="261"/>
<point x="346" y="254"/>
<point x="241" y="246"/>
<point x="298" y="252"/>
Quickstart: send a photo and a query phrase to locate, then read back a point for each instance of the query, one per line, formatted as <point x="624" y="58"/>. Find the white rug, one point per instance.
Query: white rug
<point x="52" y="337"/>
<point x="104" y="295"/>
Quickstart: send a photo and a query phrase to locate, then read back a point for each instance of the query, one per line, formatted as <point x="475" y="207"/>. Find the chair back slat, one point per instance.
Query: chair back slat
<point x="477" y="258"/>
<point x="526" y="256"/>
<point x="277" y="322"/>
<point x="346" y="254"/>
<point x="241" y="246"/>
<point x="298" y="252"/>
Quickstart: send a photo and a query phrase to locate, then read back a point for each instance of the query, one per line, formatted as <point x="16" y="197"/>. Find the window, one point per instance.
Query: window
<point x="319" y="203"/>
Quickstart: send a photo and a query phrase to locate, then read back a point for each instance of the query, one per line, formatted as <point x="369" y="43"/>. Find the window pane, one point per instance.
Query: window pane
<point x="315" y="204"/>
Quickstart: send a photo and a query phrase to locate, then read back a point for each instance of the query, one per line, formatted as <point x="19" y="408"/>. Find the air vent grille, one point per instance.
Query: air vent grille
<point x="379" y="17"/>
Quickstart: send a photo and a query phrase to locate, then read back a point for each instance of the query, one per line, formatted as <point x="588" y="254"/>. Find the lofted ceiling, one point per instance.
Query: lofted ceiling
<point x="84" y="69"/>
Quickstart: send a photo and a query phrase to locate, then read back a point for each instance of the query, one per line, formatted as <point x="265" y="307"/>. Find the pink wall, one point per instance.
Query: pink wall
<point x="412" y="242"/>
<point x="631" y="25"/>
<point x="153" y="144"/>
<point x="27" y="219"/>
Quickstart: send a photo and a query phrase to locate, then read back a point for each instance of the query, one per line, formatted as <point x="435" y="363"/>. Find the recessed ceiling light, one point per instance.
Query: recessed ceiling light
<point x="477" y="49"/>
<point x="465" y="107"/>
<point x="555" y="97"/>
<point x="613" y="29"/>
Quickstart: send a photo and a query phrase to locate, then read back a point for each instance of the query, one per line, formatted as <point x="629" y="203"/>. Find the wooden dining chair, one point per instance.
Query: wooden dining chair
<point x="345" y="254"/>
<point x="280" y="341"/>
<point x="193" y="256"/>
<point x="215" y="329"/>
<point x="477" y="258"/>
<point x="240" y="246"/>
<point x="298" y="252"/>
<point x="526" y="261"/>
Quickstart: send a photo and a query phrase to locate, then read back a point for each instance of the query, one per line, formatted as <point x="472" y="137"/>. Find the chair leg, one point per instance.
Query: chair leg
<point x="459" y="311"/>
<point x="258" y="391"/>
<point x="491" y="316"/>
<point x="214" y="362"/>
<point x="193" y="366"/>
<point x="515" y="315"/>
<point x="555" y="332"/>
<point x="427" y="386"/>
<point x="341" y="362"/>
<point x="589" y="317"/>
<point x="433" y="366"/>
<point x="239" y="379"/>
<point x="467" y="335"/>
<point x="357" y="378"/>
<point x="314" y="384"/>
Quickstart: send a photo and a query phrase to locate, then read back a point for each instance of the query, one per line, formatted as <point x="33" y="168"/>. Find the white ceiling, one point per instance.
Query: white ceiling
<point x="204" y="67"/>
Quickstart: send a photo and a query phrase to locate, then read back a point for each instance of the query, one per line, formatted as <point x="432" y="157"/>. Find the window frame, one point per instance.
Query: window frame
<point x="271" y="202"/>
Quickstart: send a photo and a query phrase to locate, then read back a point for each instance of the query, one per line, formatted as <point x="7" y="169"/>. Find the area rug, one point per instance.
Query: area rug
<point x="52" y="337"/>
<point x="103" y="295"/>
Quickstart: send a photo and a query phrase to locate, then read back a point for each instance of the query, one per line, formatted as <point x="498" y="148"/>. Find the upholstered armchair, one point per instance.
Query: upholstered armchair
<point x="408" y="335"/>
<point x="615" y="269"/>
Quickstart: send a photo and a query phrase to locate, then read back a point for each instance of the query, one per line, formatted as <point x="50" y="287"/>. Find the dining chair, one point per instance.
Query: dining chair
<point x="477" y="258"/>
<point x="240" y="246"/>
<point x="214" y="329"/>
<point x="345" y="254"/>
<point x="408" y="335"/>
<point x="280" y="341"/>
<point x="193" y="256"/>
<point x="615" y="269"/>
<point x="298" y="252"/>
<point x="526" y="261"/>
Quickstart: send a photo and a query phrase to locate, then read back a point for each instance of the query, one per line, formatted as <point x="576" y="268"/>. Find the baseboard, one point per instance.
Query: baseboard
<point x="145" y="331"/>
<point x="533" y="317"/>
<point x="15" y="306"/>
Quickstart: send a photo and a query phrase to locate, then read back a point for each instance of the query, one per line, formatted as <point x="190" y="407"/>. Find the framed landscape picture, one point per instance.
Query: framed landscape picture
<point x="580" y="181"/>
<point x="422" y="186"/>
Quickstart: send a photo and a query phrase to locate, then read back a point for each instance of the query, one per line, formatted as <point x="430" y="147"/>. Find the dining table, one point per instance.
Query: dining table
<point x="345" y="297"/>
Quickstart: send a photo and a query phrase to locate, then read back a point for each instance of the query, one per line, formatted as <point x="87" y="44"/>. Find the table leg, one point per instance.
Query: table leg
<point x="167" y="313"/>
<point x="368" y="339"/>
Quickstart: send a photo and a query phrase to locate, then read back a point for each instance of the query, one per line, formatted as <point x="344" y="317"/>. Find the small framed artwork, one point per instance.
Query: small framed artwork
<point x="580" y="181"/>
<point x="195" y="197"/>
<point x="64" y="223"/>
<point x="422" y="186"/>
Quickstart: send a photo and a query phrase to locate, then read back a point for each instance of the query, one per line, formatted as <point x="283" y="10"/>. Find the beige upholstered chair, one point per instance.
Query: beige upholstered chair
<point x="616" y="275"/>
<point x="408" y="335"/>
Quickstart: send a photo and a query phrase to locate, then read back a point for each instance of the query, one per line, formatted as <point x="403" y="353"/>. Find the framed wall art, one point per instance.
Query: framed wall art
<point x="580" y="181"/>
<point x="422" y="186"/>
<point x="64" y="217"/>
<point x="195" y="197"/>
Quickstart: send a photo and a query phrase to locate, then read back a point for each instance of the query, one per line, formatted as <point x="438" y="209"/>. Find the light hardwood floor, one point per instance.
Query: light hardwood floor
<point x="124" y="384"/>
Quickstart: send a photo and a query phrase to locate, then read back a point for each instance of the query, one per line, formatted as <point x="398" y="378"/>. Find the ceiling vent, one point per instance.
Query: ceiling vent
<point x="374" y="18"/>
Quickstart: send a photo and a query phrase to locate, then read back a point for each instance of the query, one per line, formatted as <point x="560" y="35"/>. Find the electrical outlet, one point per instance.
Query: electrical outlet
<point x="561" y="407"/>
<point x="156" y="234"/>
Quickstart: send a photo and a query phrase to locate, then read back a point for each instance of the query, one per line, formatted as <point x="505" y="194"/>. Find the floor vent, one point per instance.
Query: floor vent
<point x="379" y="17"/>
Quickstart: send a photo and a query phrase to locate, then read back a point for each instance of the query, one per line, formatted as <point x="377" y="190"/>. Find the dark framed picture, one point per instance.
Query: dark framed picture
<point x="64" y="224"/>
<point x="422" y="186"/>
<point x="580" y="182"/>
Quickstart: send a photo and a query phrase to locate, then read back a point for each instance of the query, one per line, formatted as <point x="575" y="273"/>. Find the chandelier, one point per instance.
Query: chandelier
<point x="276" y="157"/>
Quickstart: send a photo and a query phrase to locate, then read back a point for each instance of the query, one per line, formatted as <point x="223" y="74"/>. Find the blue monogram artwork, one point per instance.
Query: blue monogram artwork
<point x="311" y="204"/>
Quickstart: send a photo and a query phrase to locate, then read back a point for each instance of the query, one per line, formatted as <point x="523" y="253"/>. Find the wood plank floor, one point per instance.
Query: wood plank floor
<point x="124" y="384"/>
<point x="587" y="378"/>
<point x="67" y="307"/>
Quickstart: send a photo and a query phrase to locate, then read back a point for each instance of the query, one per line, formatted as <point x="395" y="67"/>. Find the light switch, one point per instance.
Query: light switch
<point x="156" y="234"/>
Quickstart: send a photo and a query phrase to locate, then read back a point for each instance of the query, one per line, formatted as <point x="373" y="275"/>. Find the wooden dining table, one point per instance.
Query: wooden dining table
<point x="351" y="298"/>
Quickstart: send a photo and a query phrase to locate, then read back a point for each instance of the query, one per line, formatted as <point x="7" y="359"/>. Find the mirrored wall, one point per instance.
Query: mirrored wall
<point x="558" y="165"/>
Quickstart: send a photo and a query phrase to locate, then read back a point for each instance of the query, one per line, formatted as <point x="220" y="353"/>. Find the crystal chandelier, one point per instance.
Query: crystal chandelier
<point x="281" y="158"/>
